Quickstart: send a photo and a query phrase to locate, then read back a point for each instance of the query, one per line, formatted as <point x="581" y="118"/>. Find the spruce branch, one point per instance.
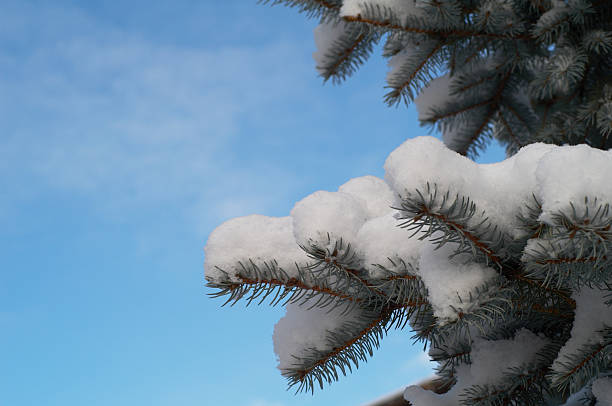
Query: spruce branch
<point x="271" y="281"/>
<point x="577" y="248"/>
<point x="413" y="75"/>
<point x="351" y="343"/>
<point x="446" y="218"/>
<point x="525" y="385"/>
<point x="388" y="25"/>
<point x="574" y="370"/>
<point x="351" y="48"/>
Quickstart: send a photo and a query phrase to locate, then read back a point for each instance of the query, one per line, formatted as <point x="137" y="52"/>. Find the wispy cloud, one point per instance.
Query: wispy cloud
<point x="97" y="111"/>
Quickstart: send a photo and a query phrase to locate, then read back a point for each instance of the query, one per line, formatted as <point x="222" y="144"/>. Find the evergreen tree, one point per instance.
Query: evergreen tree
<point x="502" y="271"/>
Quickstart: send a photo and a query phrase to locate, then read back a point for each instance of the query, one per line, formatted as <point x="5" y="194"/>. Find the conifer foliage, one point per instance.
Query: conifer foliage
<point x="502" y="271"/>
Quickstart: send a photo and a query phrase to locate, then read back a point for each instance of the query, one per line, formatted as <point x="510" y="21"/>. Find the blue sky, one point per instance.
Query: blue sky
<point x="127" y="133"/>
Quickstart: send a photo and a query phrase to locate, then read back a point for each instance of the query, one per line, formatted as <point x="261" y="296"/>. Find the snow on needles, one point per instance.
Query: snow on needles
<point x="326" y="35"/>
<point x="253" y="238"/>
<point x="360" y="214"/>
<point x="602" y="389"/>
<point x="304" y="329"/>
<point x="500" y="189"/>
<point x="459" y="277"/>
<point x="490" y="360"/>
<point x="592" y="315"/>
<point x="401" y="8"/>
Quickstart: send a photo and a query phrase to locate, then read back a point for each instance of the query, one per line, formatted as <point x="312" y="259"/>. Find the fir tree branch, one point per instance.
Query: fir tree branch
<point x="529" y="390"/>
<point x="394" y="95"/>
<point x="454" y="217"/>
<point x="509" y="129"/>
<point x="290" y="285"/>
<point x="349" y="350"/>
<point x="518" y="116"/>
<point x="389" y="25"/>
<point x="538" y="284"/>
<point x="572" y="371"/>
<point x="270" y="280"/>
<point x="345" y="55"/>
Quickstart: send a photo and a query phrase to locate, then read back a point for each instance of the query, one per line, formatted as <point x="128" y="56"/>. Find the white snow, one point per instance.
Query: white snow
<point x="373" y="193"/>
<point x="450" y="281"/>
<point x="402" y="9"/>
<point x="602" y="389"/>
<point x="592" y="314"/>
<point x="251" y="238"/>
<point x="568" y="174"/>
<point x="325" y="34"/>
<point x="490" y="360"/>
<point x="338" y="215"/>
<point x="360" y="214"/>
<point x="382" y="242"/>
<point x="500" y="189"/>
<point x="426" y="159"/>
<point x="302" y="329"/>
<point x="512" y="183"/>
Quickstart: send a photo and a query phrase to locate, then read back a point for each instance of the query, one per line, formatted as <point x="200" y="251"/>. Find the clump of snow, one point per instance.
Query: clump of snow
<point x="537" y="245"/>
<point x="490" y="360"/>
<point x="360" y="214"/>
<point x="373" y="193"/>
<point x="251" y="238"/>
<point x="324" y="217"/>
<point x="382" y="242"/>
<point x="401" y="9"/>
<point x="500" y="189"/>
<point x="511" y="183"/>
<point x="571" y="173"/>
<point x="325" y="35"/>
<point x="449" y="281"/>
<point x="602" y="390"/>
<point x="303" y="329"/>
<point x="423" y="160"/>
<point x="592" y="315"/>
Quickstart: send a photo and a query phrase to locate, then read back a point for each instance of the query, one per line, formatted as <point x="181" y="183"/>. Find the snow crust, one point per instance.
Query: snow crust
<point x="490" y="360"/>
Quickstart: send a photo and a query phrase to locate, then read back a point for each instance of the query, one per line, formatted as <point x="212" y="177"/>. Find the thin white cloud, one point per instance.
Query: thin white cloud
<point x="126" y="122"/>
